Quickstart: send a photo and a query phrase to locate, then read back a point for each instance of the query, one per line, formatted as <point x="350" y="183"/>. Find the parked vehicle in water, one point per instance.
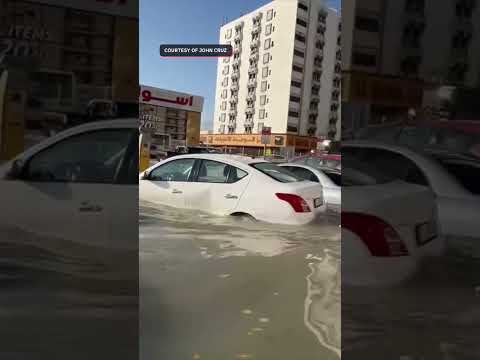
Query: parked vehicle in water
<point x="453" y="178"/>
<point x="388" y="226"/>
<point x="232" y="185"/>
<point x="329" y="179"/>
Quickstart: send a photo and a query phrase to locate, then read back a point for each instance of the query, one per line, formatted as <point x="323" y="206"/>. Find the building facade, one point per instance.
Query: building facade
<point x="171" y="119"/>
<point x="397" y="51"/>
<point x="60" y="56"/>
<point x="282" y="72"/>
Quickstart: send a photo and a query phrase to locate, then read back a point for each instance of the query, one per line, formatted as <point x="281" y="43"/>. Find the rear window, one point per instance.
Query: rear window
<point x="335" y="177"/>
<point x="356" y="173"/>
<point x="277" y="172"/>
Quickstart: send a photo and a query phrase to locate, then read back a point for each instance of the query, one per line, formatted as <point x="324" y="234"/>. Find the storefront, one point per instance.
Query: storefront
<point x="171" y="119"/>
<point x="59" y="57"/>
<point x="382" y="99"/>
<point x="275" y="144"/>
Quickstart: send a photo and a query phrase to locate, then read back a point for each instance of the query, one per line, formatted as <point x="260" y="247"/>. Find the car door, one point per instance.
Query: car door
<point x="168" y="183"/>
<point x="70" y="181"/>
<point x="217" y="187"/>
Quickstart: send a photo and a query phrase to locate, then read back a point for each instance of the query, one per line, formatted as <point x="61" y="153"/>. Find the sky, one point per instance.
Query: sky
<point x="187" y="22"/>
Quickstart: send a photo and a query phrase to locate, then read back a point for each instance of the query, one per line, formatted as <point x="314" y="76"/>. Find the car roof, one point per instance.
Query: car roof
<point x="231" y="159"/>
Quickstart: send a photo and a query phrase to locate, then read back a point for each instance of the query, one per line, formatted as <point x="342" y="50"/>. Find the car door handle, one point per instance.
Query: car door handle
<point x="230" y="196"/>
<point x="88" y="207"/>
<point x="175" y="191"/>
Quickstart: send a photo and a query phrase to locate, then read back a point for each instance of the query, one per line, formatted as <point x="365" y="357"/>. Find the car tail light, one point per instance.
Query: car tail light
<point x="298" y="203"/>
<point x="381" y="239"/>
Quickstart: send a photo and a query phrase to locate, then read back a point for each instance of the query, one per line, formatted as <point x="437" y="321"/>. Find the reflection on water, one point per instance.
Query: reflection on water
<point x="248" y="283"/>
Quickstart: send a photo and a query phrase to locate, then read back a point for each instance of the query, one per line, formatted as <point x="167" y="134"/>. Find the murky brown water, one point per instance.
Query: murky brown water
<point x="216" y="288"/>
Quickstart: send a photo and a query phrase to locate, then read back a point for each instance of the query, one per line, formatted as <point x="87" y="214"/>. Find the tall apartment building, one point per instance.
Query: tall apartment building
<point x="284" y="72"/>
<point x="401" y="49"/>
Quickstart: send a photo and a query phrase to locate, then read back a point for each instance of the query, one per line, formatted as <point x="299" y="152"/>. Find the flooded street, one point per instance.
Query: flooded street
<point x="433" y="316"/>
<point x="219" y="288"/>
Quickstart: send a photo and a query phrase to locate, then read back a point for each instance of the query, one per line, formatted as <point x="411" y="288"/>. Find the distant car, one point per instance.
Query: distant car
<point x="329" y="179"/>
<point x="388" y="226"/>
<point x="79" y="186"/>
<point x="452" y="136"/>
<point x="454" y="179"/>
<point x="232" y="185"/>
<point x="332" y="161"/>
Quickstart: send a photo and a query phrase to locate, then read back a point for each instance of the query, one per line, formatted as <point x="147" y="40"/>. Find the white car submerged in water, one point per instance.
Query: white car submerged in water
<point x="388" y="227"/>
<point x="232" y="185"/>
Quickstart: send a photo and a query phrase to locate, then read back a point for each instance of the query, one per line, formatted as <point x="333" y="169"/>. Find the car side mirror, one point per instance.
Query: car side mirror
<point x="145" y="176"/>
<point x="16" y="171"/>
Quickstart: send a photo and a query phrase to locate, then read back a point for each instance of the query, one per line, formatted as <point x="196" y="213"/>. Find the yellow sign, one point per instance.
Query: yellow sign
<point x="382" y="90"/>
<point x="247" y="140"/>
<point x="193" y="128"/>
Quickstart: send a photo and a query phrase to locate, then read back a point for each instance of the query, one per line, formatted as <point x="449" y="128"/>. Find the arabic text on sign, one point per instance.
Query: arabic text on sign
<point x="147" y="97"/>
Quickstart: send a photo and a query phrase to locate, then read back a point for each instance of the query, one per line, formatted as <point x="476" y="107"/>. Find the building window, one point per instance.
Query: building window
<point x="367" y="24"/>
<point x="302" y="6"/>
<point x="266" y="58"/>
<point x="302" y="22"/>
<point x="225" y="81"/>
<point x="294" y="114"/>
<point x="222" y="117"/>
<point x="296" y="84"/>
<point x="225" y="70"/>
<point x="364" y="59"/>
<point x="298" y="53"/>
<point x="260" y="125"/>
<point x="222" y="129"/>
<point x="224" y="106"/>
<point x="261" y="115"/>
<point x="294" y="99"/>
<point x="264" y="86"/>
<point x="291" y="128"/>
<point x="228" y="35"/>
<point x="224" y="94"/>
<point x="268" y="29"/>
<point x="267" y="43"/>
<point x="263" y="99"/>
<point x="297" y="68"/>
<point x="300" y="37"/>
<point x="269" y="14"/>
<point x="265" y="72"/>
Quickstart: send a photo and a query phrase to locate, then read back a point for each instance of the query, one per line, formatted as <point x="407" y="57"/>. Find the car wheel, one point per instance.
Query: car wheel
<point x="244" y="217"/>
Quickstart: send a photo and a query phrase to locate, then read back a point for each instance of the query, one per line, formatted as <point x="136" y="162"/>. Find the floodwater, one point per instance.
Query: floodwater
<point x="433" y="316"/>
<point x="219" y="288"/>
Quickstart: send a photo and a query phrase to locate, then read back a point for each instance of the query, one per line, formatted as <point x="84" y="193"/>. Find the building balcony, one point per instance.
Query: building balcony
<point x="316" y="82"/>
<point x="234" y="99"/>
<point x="256" y="28"/>
<point x="251" y="97"/>
<point x="234" y="86"/>
<point x="235" y="74"/>
<point x="237" y="49"/>
<point x="232" y="112"/>
<point x="252" y="83"/>
<point x="255" y="44"/>
<point x="239" y="26"/>
<point x="315" y="98"/>
<point x="332" y="128"/>
<point x="237" y="62"/>
<point x="254" y="56"/>
<point x="238" y="36"/>
<point x="253" y="70"/>
<point x="313" y="111"/>
<point x="312" y="120"/>
<point x="250" y="110"/>
<point x="249" y="122"/>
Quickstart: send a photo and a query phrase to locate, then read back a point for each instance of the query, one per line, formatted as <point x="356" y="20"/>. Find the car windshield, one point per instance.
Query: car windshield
<point x="357" y="173"/>
<point x="277" y="172"/>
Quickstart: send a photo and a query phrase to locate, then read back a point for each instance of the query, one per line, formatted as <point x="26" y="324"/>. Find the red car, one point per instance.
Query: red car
<point x="320" y="160"/>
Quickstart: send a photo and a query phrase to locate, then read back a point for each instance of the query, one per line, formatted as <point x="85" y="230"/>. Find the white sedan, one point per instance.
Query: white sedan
<point x="79" y="186"/>
<point x="388" y="227"/>
<point x="232" y="185"/>
<point x="453" y="179"/>
<point x="329" y="179"/>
